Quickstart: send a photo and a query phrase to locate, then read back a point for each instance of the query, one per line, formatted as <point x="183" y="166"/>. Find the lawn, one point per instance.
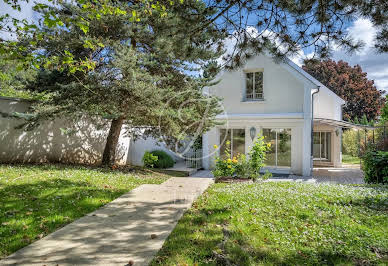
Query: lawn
<point x="38" y="199"/>
<point x="282" y="223"/>
<point x="350" y="159"/>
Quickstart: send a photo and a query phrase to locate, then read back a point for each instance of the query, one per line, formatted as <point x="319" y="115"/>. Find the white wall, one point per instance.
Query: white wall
<point x="283" y="92"/>
<point x="48" y="143"/>
<point x="327" y="106"/>
<point x="296" y="125"/>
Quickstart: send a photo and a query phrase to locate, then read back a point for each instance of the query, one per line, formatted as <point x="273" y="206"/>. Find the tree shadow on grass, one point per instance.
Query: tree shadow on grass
<point x="205" y="236"/>
<point x="30" y="211"/>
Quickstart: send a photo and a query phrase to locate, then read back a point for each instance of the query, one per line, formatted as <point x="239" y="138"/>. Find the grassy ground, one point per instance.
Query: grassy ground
<point x="38" y="199"/>
<point x="350" y="159"/>
<point x="283" y="223"/>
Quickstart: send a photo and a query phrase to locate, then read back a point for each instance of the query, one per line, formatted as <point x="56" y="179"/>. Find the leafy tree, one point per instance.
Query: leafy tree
<point x="13" y="78"/>
<point x="384" y="112"/>
<point x="282" y="27"/>
<point x="141" y="76"/>
<point x="351" y="84"/>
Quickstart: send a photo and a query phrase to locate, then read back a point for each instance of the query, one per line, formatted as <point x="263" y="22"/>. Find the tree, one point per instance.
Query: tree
<point x="351" y="84"/>
<point x="282" y="27"/>
<point x="384" y="112"/>
<point x="13" y="78"/>
<point x="141" y="75"/>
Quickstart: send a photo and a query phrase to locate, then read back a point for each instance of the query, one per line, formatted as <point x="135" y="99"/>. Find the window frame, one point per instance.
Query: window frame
<point x="254" y="93"/>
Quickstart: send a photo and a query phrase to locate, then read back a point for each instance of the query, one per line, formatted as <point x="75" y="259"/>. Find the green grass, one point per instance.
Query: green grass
<point x="38" y="199"/>
<point x="350" y="159"/>
<point x="282" y="223"/>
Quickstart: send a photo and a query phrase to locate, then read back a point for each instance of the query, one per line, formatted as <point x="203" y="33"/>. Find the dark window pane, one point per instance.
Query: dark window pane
<point x="249" y="86"/>
<point x="238" y="142"/>
<point x="270" y="137"/>
<point x="284" y="147"/>
<point x="224" y="138"/>
<point x="258" y="85"/>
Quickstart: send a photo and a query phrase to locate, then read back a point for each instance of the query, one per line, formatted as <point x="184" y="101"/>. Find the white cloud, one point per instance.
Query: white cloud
<point x="374" y="64"/>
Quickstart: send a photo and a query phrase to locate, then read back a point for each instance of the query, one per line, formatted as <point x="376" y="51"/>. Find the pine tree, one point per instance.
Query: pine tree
<point x="142" y="75"/>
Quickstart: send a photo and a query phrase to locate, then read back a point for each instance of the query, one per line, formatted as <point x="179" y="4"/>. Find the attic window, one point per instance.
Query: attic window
<point x="254" y="85"/>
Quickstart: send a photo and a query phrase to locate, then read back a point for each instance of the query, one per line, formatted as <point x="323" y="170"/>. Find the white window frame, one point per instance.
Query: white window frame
<point x="254" y="93"/>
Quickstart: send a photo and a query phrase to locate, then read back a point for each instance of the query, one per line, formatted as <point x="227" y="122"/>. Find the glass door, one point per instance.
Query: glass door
<point x="236" y="140"/>
<point x="322" y="146"/>
<point x="280" y="152"/>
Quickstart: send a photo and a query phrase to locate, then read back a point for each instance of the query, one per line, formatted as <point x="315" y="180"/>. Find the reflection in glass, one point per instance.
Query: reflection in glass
<point x="236" y="137"/>
<point x="225" y="136"/>
<point x="238" y="142"/>
<point x="322" y="146"/>
<point x="280" y="152"/>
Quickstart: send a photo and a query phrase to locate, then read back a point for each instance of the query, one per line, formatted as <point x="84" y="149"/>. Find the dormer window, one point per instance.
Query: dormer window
<point x="254" y="85"/>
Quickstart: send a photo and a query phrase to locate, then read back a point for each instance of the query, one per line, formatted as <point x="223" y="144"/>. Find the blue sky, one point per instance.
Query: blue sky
<point x="376" y="65"/>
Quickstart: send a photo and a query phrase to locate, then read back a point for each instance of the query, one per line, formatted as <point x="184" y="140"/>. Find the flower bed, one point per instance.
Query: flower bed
<point x="242" y="167"/>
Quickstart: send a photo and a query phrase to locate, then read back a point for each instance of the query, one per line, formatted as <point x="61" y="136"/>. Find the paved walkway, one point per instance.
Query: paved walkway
<point x="130" y="229"/>
<point x="321" y="175"/>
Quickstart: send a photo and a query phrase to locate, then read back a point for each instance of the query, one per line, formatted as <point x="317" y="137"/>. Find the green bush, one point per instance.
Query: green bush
<point x="350" y="142"/>
<point x="242" y="166"/>
<point x="149" y="159"/>
<point x="375" y="167"/>
<point x="164" y="160"/>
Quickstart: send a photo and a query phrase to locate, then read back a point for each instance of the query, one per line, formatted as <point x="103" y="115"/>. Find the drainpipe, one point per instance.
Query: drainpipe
<point x="312" y="126"/>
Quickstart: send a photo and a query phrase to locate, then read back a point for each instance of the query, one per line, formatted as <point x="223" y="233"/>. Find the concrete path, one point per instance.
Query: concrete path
<point x="321" y="175"/>
<point x="130" y="229"/>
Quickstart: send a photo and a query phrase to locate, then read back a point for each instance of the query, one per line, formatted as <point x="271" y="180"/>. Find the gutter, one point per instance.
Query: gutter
<point x="312" y="125"/>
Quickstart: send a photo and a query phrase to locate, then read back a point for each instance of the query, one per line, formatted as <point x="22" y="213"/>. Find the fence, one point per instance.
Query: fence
<point x="193" y="159"/>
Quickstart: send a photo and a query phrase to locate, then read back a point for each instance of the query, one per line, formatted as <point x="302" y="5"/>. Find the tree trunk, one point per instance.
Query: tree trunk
<point x="109" y="155"/>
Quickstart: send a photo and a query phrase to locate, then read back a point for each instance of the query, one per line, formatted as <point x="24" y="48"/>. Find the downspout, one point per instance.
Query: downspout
<point x="312" y="126"/>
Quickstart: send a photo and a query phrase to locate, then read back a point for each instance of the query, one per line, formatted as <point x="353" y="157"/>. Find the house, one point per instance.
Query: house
<point x="278" y="101"/>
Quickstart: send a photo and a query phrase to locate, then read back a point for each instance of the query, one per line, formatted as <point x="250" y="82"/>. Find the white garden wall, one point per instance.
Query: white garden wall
<point x="48" y="143"/>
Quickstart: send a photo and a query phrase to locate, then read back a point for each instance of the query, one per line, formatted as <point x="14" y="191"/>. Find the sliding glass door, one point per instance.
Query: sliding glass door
<point x="322" y="146"/>
<point x="236" y="140"/>
<point x="280" y="152"/>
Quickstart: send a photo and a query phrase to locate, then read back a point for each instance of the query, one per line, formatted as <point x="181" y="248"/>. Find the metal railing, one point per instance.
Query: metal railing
<point x="193" y="159"/>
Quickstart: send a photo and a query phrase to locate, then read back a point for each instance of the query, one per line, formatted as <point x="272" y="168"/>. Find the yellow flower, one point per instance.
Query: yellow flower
<point x="234" y="161"/>
<point x="229" y="160"/>
<point x="228" y="142"/>
<point x="268" y="144"/>
<point x="229" y="166"/>
<point x="234" y="158"/>
<point x="215" y="146"/>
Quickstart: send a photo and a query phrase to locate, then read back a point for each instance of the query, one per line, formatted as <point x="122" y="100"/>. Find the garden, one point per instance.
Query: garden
<point x="39" y="199"/>
<point x="282" y="223"/>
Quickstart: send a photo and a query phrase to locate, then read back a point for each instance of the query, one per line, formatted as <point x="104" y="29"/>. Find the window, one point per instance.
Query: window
<point x="322" y="146"/>
<point x="236" y="137"/>
<point x="254" y="85"/>
<point x="280" y="153"/>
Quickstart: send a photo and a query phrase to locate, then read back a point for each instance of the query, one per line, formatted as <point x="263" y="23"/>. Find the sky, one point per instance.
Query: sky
<point x="374" y="64"/>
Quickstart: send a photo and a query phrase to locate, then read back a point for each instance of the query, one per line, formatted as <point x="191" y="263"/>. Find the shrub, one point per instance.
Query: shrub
<point x="225" y="167"/>
<point x="375" y="167"/>
<point x="242" y="166"/>
<point x="149" y="159"/>
<point x="164" y="160"/>
<point x="350" y="142"/>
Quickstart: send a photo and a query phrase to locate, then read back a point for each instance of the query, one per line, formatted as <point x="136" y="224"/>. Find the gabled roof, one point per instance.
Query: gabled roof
<point x="313" y="80"/>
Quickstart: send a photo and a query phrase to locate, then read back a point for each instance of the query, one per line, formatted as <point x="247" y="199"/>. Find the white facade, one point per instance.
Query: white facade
<point x="286" y="105"/>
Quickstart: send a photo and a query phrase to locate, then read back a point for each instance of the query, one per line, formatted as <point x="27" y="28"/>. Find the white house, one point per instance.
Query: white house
<point x="275" y="100"/>
<point x="278" y="101"/>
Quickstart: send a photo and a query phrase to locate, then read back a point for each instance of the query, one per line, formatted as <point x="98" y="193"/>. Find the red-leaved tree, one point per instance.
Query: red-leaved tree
<point x="351" y="84"/>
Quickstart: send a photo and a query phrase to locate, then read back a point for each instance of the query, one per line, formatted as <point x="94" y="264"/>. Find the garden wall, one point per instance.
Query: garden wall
<point x="49" y="142"/>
